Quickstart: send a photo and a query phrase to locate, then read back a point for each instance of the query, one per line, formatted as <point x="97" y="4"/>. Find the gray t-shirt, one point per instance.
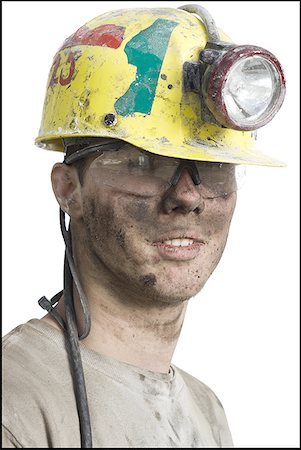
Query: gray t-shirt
<point x="129" y="406"/>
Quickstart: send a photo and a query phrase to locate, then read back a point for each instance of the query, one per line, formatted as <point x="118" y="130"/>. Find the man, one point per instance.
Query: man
<point x="153" y="124"/>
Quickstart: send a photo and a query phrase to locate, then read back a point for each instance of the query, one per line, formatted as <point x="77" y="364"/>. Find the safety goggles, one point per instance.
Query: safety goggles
<point x="135" y="171"/>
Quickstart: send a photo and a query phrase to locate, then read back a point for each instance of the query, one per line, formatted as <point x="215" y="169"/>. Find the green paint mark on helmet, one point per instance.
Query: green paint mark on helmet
<point x="146" y="50"/>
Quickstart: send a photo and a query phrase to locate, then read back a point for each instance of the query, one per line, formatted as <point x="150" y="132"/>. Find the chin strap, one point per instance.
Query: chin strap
<point x="70" y="328"/>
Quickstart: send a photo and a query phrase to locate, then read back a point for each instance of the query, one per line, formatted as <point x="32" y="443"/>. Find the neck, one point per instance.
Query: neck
<point x="128" y="329"/>
<point x="144" y="336"/>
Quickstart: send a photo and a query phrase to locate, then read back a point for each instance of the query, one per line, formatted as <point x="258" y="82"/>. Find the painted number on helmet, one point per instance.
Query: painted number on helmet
<point x="63" y="78"/>
<point x="146" y="50"/>
<point x="108" y="35"/>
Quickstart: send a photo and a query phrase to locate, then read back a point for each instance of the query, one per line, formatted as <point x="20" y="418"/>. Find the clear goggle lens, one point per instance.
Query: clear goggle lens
<point x="142" y="173"/>
<point x="251" y="88"/>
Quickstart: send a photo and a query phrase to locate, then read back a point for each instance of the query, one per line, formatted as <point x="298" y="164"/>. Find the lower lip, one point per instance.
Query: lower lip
<point x="176" y="253"/>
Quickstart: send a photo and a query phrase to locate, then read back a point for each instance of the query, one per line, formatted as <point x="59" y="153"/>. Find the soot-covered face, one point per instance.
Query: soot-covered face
<point x="159" y="248"/>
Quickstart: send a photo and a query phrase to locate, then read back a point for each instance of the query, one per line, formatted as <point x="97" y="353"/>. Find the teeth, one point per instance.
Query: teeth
<point x="179" y="242"/>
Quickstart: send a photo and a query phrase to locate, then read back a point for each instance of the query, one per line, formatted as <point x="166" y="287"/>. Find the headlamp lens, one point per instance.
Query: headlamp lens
<point x="250" y="90"/>
<point x="244" y="87"/>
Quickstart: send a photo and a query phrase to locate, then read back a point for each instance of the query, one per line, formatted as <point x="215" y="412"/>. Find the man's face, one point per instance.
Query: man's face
<point x="163" y="246"/>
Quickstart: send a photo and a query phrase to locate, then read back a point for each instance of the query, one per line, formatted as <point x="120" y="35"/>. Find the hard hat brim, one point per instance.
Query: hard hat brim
<point x="197" y="150"/>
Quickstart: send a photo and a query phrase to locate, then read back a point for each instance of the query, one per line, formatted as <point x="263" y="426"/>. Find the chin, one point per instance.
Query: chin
<point x="172" y="294"/>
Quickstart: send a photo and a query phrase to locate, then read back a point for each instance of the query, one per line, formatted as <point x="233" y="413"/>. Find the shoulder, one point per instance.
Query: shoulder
<point x="210" y="405"/>
<point x="28" y="348"/>
<point x="199" y="388"/>
<point x="33" y="354"/>
<point x="36" y="383"/>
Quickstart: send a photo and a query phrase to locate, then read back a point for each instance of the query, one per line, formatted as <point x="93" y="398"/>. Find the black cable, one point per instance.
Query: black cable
<point x="82" y="297"/>
<point x="213" y="34"/>
<point x="75" y="361"/>
<point x="48" y="306"/>
<point x="73" y="337"/>
<point x="69" y="326"/>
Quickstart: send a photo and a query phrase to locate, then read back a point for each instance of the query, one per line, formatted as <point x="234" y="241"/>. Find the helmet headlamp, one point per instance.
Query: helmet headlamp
<point x="242" y="86"/>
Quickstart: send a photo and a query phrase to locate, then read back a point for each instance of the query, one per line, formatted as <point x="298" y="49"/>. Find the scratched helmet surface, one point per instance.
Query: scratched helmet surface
<point x="121" y="76"/>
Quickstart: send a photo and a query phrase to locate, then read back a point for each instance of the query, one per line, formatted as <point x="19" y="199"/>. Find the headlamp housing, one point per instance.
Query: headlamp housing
<point x="243" y="86"/>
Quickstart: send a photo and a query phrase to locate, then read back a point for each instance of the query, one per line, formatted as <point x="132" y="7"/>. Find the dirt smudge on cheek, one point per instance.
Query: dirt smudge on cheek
<point x="148" y="280"/>
<point x="100" y="223"/>
<point x="120" y="237"/>
<point x="91" y="220"/>
<point x="139" y="210"/>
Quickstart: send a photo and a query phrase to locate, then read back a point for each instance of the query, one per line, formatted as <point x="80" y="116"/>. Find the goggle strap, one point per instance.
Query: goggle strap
<point x="95" y="148"/>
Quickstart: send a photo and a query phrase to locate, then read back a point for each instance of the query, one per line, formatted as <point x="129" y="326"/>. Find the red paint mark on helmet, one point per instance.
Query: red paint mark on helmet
<point x="108" y="35"/>
<point x="55" y="79"/>
<point x="65" y="81"/>
<point x="56" y="62"/>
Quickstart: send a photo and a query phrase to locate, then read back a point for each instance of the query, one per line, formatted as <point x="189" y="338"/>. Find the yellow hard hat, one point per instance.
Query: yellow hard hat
<point x="128" y="74"/>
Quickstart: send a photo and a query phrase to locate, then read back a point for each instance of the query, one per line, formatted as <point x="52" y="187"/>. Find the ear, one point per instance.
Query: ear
<point x="67" y="189"/>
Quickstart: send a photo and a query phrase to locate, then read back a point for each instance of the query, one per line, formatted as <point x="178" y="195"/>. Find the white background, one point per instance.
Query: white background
<point x="241" y="332"/>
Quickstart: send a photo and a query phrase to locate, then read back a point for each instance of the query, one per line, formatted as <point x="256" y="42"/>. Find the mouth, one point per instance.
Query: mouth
<point x="179" y="248"/>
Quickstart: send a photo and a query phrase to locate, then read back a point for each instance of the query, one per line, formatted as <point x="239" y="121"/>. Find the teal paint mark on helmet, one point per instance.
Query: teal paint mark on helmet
<point x="146" y="50"/>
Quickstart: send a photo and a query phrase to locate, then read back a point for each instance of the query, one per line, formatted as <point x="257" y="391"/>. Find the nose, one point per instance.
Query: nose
<point x="184" y="197"/>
